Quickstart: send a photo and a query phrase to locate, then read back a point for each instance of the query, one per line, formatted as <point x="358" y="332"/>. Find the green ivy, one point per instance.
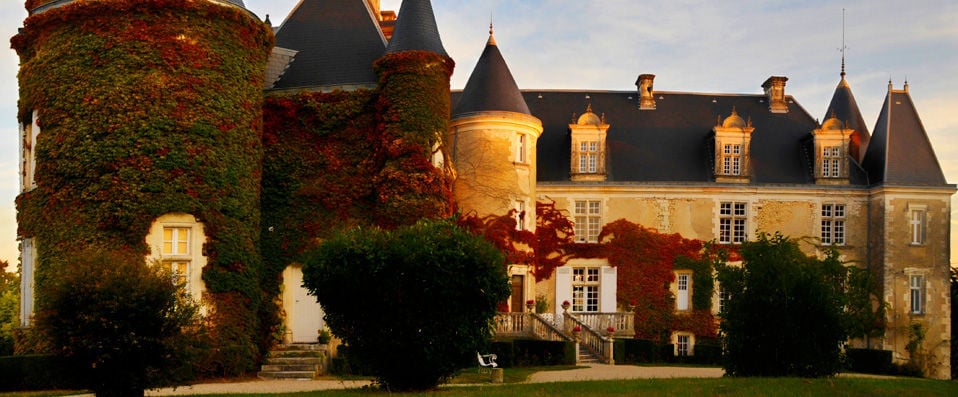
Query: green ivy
<point x="149" y="107"/>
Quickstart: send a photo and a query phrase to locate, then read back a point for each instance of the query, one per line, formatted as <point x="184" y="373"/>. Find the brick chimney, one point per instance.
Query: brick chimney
<point x="775" y="93"/>
<point x="646" y="94"/>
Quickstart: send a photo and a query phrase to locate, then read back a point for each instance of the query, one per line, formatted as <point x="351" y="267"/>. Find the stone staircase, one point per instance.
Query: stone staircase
<point x="295" y="361"/>
<point x="586" y="356"/>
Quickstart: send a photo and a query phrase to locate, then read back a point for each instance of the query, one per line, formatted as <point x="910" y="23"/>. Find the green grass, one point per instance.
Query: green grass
<point x="510" y="375"/>
<point x="897" y="387"/>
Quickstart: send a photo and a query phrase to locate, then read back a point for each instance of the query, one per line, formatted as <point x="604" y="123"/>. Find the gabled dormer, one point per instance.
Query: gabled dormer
<point x="588" y="147"/>
<point x="831" y="152"/>
<point x="732" y="140"/>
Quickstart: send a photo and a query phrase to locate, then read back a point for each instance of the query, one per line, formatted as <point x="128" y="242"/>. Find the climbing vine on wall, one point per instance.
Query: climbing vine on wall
<point x="149" y="107"/>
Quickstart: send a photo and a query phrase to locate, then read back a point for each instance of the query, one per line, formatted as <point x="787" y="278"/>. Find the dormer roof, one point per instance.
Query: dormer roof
<point x="491" y="86"/>
<point x="844" y="107"/>
<point x="899" y="152"/>
<point x="416" y="29"/>
<point x="336" y="43"/>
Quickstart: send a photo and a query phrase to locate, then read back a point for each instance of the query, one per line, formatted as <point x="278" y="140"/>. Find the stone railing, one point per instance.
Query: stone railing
<point x="543" y="329"/>
<point x="511" y="324"/>
<point x="599" y="345"/>
<point x="623" y="322"/>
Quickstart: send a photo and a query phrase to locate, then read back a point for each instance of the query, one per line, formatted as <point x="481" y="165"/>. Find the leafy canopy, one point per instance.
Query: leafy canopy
<point x="785" y="311"/>
<point x="413" y="304"/>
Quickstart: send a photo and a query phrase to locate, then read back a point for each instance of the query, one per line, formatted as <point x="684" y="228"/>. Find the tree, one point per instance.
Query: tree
<point x="122" y="325"/>
<point x="9" y="306"/>
<point x="784" y="313"/>
<point x="413" y="303"/>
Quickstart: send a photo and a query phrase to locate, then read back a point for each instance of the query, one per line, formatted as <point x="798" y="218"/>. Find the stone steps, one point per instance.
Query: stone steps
<point x="296" y="361"/>
<point x="586" y="356"/>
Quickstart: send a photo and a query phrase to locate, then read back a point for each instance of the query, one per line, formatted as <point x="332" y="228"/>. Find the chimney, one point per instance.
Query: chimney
<point x="646" y="94"/>
<point x="775" y="93"/>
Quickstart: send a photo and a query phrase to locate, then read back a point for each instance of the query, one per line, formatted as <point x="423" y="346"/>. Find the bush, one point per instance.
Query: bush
<point x="36" y="372"/>
<point x="505" y="355"/>
<point x="869" y="361"/>
<point x="414" y="304"/>
<point x="532" y="353"/>
<point x="785" y="312"/>
<point x="121" y="325"/>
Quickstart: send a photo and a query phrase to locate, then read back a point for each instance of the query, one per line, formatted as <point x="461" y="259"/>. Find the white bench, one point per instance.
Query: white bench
<point x="486" y="362"/>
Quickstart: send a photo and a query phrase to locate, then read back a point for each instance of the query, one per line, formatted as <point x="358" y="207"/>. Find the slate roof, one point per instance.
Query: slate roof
<point x="416" y="29"/>
<point x="899" y="152"/>
<point x="491" y="86"/>
<point x="844" y="107"/>
<point x="336" y="41"/>
<point x="674" y="143"/>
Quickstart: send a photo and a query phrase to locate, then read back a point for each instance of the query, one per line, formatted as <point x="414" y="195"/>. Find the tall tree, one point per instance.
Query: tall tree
<point x="9" y="304"/>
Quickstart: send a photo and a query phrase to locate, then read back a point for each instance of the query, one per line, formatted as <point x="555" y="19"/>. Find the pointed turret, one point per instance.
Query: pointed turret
<point x="491" y="86"/>
<point x="845" y="109"/>
<point x="899" y="152"/>
<point x="335" y="44"/>
<point x="416" y="29"/>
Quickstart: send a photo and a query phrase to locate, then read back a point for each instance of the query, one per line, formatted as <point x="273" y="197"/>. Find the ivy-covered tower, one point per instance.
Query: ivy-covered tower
<point x="141" y="124"/>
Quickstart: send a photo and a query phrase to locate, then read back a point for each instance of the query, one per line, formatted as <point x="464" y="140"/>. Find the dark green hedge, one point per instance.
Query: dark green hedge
<point x="36" y="372"/>
<point x="869" y="361"/>
<point x="532" y="353"/>
<point x="707" y="351"/>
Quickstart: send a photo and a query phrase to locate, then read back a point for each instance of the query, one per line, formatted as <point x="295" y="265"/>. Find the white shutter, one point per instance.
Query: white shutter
<point x="607" y="290"/>
<point x="563" y="289"/>
<point x="27" y="261"/>
<point x="682" y="300"/>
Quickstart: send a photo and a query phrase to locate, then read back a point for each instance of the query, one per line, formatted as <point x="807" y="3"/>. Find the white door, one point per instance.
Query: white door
<point x="304" y="315"/>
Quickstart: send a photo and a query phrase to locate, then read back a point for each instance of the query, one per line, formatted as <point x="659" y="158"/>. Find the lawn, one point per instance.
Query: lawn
<point x="898" y="387"/>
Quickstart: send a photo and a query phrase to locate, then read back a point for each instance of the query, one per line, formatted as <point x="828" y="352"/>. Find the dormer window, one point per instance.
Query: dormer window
<point x="831" y="152"/>
<point x="588" y="157"/>
<point x="732" y="137"/>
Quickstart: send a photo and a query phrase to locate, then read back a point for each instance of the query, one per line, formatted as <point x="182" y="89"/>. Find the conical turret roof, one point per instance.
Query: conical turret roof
<point x="845" y="109"/>
<point x="491" y="86"/>
<point x="336" y="41"/>
<point x="416" y="29"/>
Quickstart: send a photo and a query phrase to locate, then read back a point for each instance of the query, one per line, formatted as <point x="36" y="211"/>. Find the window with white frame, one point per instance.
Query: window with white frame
<point x="28" y="255"/>
<point x="732" y="159"/>
<point x="917" y="293"/>
<point x="176" y="253"/>
<point x="521" y="152"/>
<point x="585" y="289"/>
<point x="831" y="161"/>
<point x="919" y="225"/>
<point x="722" y="298"/>
<point x="588" y="157"/>
<point x="29" y="132"/>
<point x="682" y="298"/>
<point x="683" y="345"/>
<point x="588" y="218"/>
<point x="833" y="224"/>
<point x="520" y="215"/>
<point x="732" y="219"/>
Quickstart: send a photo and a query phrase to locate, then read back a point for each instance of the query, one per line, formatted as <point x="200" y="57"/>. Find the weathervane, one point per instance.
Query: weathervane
<point x="844" y="47"/>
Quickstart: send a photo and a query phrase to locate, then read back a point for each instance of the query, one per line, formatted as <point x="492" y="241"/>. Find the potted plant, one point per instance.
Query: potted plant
<point x="576" y="332"/>
<point x="530" y="304"/>
<point x="323" y="336"/>
<point x="566" y="305"/>
<point x="610" y="330"/>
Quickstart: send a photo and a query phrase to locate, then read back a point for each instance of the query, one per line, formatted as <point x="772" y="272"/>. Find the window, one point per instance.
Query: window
<point x="588" y="157"/>
<point x="732" y="159"/>
<point x="176" y="253"/>
<point x="29" y="132"/>
<point x="521" y="154"/>
<point x="917" y="293"/>
<point x="520" y="215"/>
<point x="28" y="255"/>
<point x="831" y="161"/>
<point x="833" y="224"/>
<point x="585" y="289"/>
<point x="722" y="298"/>
<point x="918" y="226"/>
<point x="683" y="345"/>
<point x="587" y="220"/>
<point x="732" y="216"/>
<point x="682" y="300"/>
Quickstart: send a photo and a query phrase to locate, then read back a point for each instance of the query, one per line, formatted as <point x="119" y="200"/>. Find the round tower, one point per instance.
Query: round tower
<point x="492" y="143"/>
<point x="141" y="122"/>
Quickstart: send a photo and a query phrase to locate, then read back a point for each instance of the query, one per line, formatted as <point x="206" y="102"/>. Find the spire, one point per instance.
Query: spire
<point x="491" y="86"/>
<point x="844" y="47"/>
<point x="492" y="38"/>
<point x="416" y="29"/>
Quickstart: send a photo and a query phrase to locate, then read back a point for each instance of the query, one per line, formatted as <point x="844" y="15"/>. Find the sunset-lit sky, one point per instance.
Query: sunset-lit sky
<point x="696" y="46"/>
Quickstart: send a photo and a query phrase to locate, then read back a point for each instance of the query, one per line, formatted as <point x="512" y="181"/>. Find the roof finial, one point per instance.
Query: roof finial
<point x="844" y="47"/>
<point x="492" y="39"/>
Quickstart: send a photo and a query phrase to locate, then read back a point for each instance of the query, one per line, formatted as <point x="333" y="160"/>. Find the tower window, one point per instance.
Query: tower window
<point x="833" y="224"/>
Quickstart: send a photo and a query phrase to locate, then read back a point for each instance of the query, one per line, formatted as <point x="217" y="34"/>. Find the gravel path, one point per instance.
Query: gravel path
<point x="591" y="372"/>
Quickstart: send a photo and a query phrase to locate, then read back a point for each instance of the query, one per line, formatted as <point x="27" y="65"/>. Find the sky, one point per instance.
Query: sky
<point x="691" y="46"/>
